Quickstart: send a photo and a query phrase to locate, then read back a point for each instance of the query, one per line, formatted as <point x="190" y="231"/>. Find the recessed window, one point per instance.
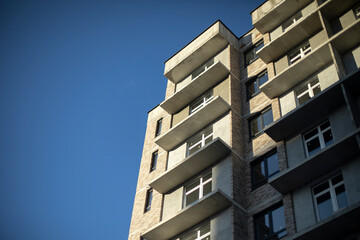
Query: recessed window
<point x="258" y="123"/>
<point x="264" y="168"/>
<point x="199" y="233"/>
<point x="357" y="11"/>
<point x="253" y="87"/>
<point x="202" y="69"/>
<point x="318" y="138"/>
<point x="250" y="55"/>
<point x="308" y="91"/>
<point x="329" y="197"/>
<point x="197" y="188"/>
<point x="270" y="224"/>
<point x="201" y="101"/>
<point x="199" y="140"/>
<point x="148" y="199"/>
<point x="158" y="127"/>
<point x="154" y="158"/>
<point x="291" y="21"/>
<point x="299" y="53"/>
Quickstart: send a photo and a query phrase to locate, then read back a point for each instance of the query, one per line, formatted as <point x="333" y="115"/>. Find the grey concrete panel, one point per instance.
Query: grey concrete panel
<point x="341" y="124"/>
<point x="172" y="203"/>
<point x="222" y="176"/>
<point x="222" y="226"/>
<point x="295" y="151"/>
<point x="352" y="180"/>
<point x="304" y="212"/>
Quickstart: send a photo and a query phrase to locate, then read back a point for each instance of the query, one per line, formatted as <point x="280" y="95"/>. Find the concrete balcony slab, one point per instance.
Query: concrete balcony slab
<point x="203" y="82"/>
<point x="193" y="123"/>
<point x="191" y="165"/>
<point x="189" y="216"/>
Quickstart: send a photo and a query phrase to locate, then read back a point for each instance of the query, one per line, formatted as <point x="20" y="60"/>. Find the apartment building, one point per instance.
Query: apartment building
<point x="258" y="136"/>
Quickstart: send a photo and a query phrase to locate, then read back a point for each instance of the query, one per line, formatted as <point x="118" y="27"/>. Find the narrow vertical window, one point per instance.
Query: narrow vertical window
<point x="158" y="127"/>
<point x="250" y="55"/>
<point x="258" y="123"/>
<point x="148" y="200"/>
<point x="253" y="87"/>
<point x="264" y="168"/>
<point x="154" y="158"/>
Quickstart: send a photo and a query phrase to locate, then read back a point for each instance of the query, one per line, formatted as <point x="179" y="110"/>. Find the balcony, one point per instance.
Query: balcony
<point x="334" y="8"/>
<point x="295" y="73"/>
<point x="347" y="38"/>
<point x="201" y="159"/>
<point x="193" y="123"/>
<point x="204" y="81"/>
<point x="312" y="111"/>
<point x="189" y="216"/>
<point x="339" y="225"/>
<point x="206" y="45"/>
<point x="290" y="38"/>
<point x="272" y="13"/>
<point x="319" y="164"/>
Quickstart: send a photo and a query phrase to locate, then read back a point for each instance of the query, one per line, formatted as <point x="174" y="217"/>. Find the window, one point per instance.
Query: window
<point x="329" y="197"/>
<point x="258" y="123"/>
<point x="199" y="140"/>
<point x="318" y="138"/>
<point x="253" y="87"/>
<point x="201" y="101"/>
<point x="199" y="233"/>
<point x="154" y="158"/>
<point x="264" y="168"/>
<point x="308" y="91"/>
<point x="158" y="127"/>
<point x="357" y="11"/>
<point x="270" y="224"/>
<point x="202" y="69"/>
<point x="299" y="53"/>
<point x="250" y="55"/>
<point x="292" y="20"/>
<point x="149" y="196"/>
<point x="197" y="188"/>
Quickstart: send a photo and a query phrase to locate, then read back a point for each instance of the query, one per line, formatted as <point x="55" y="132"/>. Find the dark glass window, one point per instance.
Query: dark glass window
<point x="270" y="224"/>
<point x="154" y="158"/>
<point x="267" y="166"/>
<point x="250" y="55"/>
<point x="158" y="127"/>
<point x="253" y="87"/>
<point x="149" y="196"/>
<point x="318" y="138"/>
<point x="258" y="123"/>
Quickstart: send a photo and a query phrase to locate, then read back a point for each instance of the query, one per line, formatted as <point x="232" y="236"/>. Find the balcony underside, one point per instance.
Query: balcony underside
<point x="182" y="98"/>
<point x="292" y="37"/>
<point x="189" y="216"/>
<point x="319" y="164"/>
<point x="338" y="226"/>
<point x="348" y="38"/>
<point x="193" y="123"/>
<point x="334" y="8"/>
<point x="203" y="158"/>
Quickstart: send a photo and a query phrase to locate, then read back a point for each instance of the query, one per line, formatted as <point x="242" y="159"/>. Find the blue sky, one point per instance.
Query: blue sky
<point x="77" y="79"/>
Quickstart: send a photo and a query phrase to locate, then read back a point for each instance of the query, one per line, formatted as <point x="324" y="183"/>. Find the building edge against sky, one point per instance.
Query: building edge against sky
<point x="258" y="137"/>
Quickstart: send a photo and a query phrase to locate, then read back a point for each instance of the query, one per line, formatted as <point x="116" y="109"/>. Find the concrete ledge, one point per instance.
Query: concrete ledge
<point x="339" y="225"/>
<point x="322" y="162"/>
<point x="193" y="123"/>
<point x="348" y="38"/>
<point x="201" y="159"/>
<point x="334" y="8"/>
<point x="204" y="81"/>
<point x="189" y="216"/>
<point x="313" y="110"/>
<point x="290" y="38"/>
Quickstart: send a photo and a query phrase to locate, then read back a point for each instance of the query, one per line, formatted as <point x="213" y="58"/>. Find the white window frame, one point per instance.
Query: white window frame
<point x="319" y="134"/>
<point x="203" y="100"/>
<point x="202" y="69"/>
<point x="204" y="135"/>
<point x="310" y="89"/>
<point x="198" y="232"/>
<point x="333" y="196"/>
<point x="201" y="185"/>
<point x="291" y="21"/>
<point x="299" y="53"/>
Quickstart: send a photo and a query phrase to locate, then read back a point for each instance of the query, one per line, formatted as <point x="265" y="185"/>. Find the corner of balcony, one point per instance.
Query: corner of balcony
<point x="315" y="166"/>
<point x="206" y="45"/>
<point x="189" y="216"/>
<point x="191" y="165"/>
<point x="204" y="81"/>
<point x="193" y="123"/>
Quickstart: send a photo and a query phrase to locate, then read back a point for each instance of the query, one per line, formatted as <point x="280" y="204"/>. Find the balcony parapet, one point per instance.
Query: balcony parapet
<point x="189" y="216"/>
<point x="193" y="123"/>
<point x="204" y="81"/>
<point x="318" y="165"/>
<point x="191" y="165"/>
